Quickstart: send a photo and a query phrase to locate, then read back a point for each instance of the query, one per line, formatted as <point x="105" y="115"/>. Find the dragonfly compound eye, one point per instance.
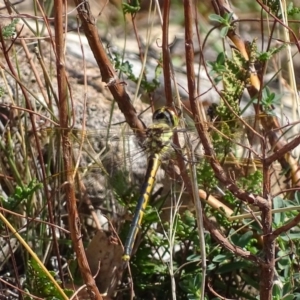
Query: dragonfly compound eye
<point x="166" y="116"/>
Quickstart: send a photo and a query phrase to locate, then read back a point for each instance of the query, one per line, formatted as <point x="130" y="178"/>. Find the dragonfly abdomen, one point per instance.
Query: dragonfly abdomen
<point x="154" y="163"/>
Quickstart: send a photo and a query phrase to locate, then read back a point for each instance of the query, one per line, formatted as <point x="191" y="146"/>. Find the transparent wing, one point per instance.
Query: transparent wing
<point x="101" y="154"/>
<point x="98" y="157"/>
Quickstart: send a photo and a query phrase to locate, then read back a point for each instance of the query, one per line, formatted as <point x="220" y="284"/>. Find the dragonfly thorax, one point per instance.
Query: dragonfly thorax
<point x="160" y="133"/>
<point x="158" y="139"/>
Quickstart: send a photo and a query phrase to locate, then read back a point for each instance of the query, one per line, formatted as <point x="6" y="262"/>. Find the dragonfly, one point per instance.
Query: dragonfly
<point x="158" y="147"/>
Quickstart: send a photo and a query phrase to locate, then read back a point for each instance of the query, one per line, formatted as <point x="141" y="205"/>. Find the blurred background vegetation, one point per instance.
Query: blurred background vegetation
<point x="246" y="121"/>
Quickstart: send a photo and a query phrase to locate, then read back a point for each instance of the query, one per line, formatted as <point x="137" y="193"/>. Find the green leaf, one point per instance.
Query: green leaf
<point x="232" y="266"/>
<point x="220" y="258"/>
<point x="277" y="291"/>
<point x="194" y="257"/>
<point x="287" y="288"/>
<point x="131" y="9"/>
<point x="37" y="282"/>
<point x="291" y="10"/>
<point x="283" y="263"/>
<point x="291" y="236"/>
<point x="211" y="267"/>
<point x="297" y="197"/>
<point x="216" y="18"/>
<point x="223" y="32"/>
<point x="297" y="296"/>
<point x="288" y="297"/>
<point x="9" y="30"/>
<point x="278" y="217"/>
<point x="245" y="239"/>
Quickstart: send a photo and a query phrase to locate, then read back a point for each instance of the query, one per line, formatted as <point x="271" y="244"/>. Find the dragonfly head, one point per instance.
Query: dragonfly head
<point x="166" y="116"/>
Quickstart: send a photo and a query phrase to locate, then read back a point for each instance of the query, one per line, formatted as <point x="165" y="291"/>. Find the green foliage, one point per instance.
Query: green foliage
<point x="131" y="8"/>
<point x="124" y="67"/>
<point x="229" y="197"/>
<point x="253" y="182"/>
<point x="268" y="100"/>
<point x="9" y="30"/>
<point x="235" y="78"/>
<point x="150" y="86"/>
<point x="244" y="240"/>
<point x="267" y="55"/>
<point x="217" y="67"/>
<point x="21" y="193"/>
<point x="225" y="22"/>
<point x="226" y="265"/>
<point x="235" y="75"/>
<point x="283" y="216"/>
<point x="274" y="5"/>
<point x="206" y="176"/>
<point x="282" y="292"/>
<point x="152" y="276"/>
<point x="38" y="284"/>
<point x="292" y="10"/>
<point x="222" y="144"/>
<point x="190" y="284"/>
<point x="123" y="191"/>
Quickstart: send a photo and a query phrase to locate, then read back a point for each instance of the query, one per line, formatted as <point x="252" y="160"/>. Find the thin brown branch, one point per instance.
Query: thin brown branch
<point x="215" y="293"/>
<point x="166" y="54"/>
<point x="285" y="228"/>
<point x="282" y="151"/>
<point x="74" y="220"/>
<point x="221" y="240"/>
<point x="108" y="74"/>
